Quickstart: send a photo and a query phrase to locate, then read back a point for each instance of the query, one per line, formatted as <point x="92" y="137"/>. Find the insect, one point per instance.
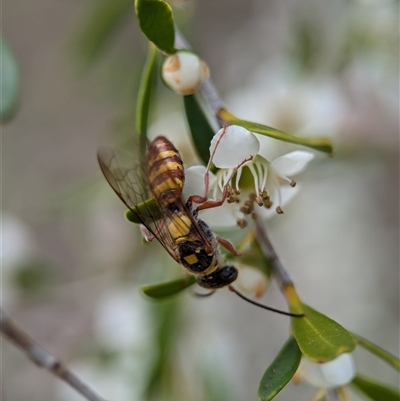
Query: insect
<point x="174" y="222"/>
<point x="176" y="225"/>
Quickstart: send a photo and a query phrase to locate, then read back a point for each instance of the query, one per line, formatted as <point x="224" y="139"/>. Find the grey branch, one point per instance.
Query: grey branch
<point x="209" y="91"/>
<point x="270" y="254"/>
<point x="211" y="95"/>
<point x="43" y="359"/>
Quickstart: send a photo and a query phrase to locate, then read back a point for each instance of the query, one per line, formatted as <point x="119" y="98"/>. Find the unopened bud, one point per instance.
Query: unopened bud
<point x="184" y="72"/>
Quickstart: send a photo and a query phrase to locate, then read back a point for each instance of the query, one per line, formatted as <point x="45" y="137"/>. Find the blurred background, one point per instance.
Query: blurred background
<point x="72" y="266"/>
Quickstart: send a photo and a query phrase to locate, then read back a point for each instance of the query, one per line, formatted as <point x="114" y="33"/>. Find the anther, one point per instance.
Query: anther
<point x="292" y="183"/>
<point x="279" y="210"/>
<point x="259" y="201"/>
<point x="242" y="223"/>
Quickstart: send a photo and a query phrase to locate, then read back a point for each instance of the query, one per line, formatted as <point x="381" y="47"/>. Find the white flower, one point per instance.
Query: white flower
<point x="336" y="373"/>
<point x="251" y="281"/>
<point x="235" y="150"/>
<point x="184" y="72"/>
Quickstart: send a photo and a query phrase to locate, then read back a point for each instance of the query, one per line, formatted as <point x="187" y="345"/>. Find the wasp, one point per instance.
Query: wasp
<point x="175" y="224"/>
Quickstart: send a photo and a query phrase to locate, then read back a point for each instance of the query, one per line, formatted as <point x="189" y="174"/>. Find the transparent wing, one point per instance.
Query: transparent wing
<point x="129" y="181"/>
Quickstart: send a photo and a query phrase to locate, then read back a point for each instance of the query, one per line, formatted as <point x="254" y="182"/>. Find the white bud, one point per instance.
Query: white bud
<point x="338" y="372"/>
<point x="251" y="282"/>
<point x="184" y="72"/>
<point x="236" y="145"/>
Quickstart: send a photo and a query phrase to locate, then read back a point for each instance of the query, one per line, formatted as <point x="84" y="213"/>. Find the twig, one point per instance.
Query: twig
<point x="211" y="95"/>
<point x="43" y="359"/>
<point x="270" y="254"/>
<point x="208" y="88"/>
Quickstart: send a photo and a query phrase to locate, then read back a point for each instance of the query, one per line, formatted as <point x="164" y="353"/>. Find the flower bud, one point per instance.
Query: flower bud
<point x="184" y="72"/>
<point x="251" y="282"/>
<point x="338" y="372"/>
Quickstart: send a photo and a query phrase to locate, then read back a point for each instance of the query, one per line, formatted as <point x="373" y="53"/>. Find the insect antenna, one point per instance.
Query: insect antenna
<point x="231" y="288"/>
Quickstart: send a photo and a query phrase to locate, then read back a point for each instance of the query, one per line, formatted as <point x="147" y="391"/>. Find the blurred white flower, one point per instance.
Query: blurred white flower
<point x="184" y="72"/>
<point x="234" y="150"/>
<point x="121" y="320"/>
<point x="336" y="373"/>
<point x="251" y="281"/>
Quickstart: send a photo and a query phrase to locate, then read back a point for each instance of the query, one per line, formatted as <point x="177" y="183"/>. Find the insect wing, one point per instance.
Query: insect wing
<point x="128" y="180"/>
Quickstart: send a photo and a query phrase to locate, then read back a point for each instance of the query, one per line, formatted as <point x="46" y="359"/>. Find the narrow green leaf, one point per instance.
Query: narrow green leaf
<point x="157" y="23"/>
<point x="320" y="338"/>
<point x="378" y="351"/>
<point x="374" y="390"/>
<point x="165" y="335"/>
<point x="321" y="144"/>
<point x="148" y="208"/>
<point x="146" y="87"/>
<point x="168" y="288"/>
<point x="280" y="371"/>
<point x="10" y="82"/>
<point x="102" y="23"/>
<point x="201" y="131"/>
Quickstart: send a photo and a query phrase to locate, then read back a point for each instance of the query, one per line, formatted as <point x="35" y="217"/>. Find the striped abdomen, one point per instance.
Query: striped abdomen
<point x="165" y="171"/>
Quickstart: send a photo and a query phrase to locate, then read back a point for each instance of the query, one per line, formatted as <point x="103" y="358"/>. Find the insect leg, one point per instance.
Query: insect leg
<point x="228" y="245"/>
<point x="210" y="203"/>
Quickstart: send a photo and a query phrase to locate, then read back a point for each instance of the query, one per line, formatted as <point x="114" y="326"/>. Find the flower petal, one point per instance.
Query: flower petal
<point x="237" y="144"/>
<point x="194" y="181"/>
<point x="292" y="163"/>
<point x="338" y="372"/>
<point x="222" y="217"/>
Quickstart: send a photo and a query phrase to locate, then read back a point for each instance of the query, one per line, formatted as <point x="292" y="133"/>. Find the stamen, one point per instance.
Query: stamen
<point x="238" y="175"/>
<point x="253" y="172"/>
<point x="242" y="223"/>
<point x="292" y="183"/>
<point x="260" y="174"/>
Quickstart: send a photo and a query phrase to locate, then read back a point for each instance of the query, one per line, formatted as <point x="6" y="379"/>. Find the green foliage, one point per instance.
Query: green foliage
<point x="32" y="277"/>
<point x="166" y="317"/>
<point x="146" y="88"/>
<point x="168" y="288"/>
<point x="378" y="351"/>
<point x="321" y="144"/>
<point x="320" y="338"/>
<point x="103" y="22"/>
<point x="280" y="371"/>
<point x="201" y="131"/>
<point x="10" y="82"/>
<point x="157" y="23"/>
<point x="374" y="390"/>
<point x="146" y="208"/>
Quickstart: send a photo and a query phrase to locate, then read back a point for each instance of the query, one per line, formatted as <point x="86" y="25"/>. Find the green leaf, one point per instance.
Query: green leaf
<point x="146" y="88"/>
<point x="280" y="371"/>
<point x="378" y="351"/>
<point x="321" y="144"/>
<point x="201" y="131"/>
<point x="168" y="288"/>
<point x="374" y="390"/>
<point x="157" y="23"/>
<point x="320" y="338"/>
<point x="10" y="82"/>
<point x="162" y="365"/>
<point x="148" y="208"/>
<point x="102" y="23"/>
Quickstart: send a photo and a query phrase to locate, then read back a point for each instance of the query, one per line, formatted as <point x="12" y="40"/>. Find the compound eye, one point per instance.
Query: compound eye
<point x="220" y="278"/>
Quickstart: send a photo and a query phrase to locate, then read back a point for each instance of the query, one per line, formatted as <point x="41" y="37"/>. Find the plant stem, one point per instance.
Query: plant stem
<point x="211" y="96"/>
<point x="270" y="254"/>
<point x="209" y="91"/>
<point x="43" y="359"/>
